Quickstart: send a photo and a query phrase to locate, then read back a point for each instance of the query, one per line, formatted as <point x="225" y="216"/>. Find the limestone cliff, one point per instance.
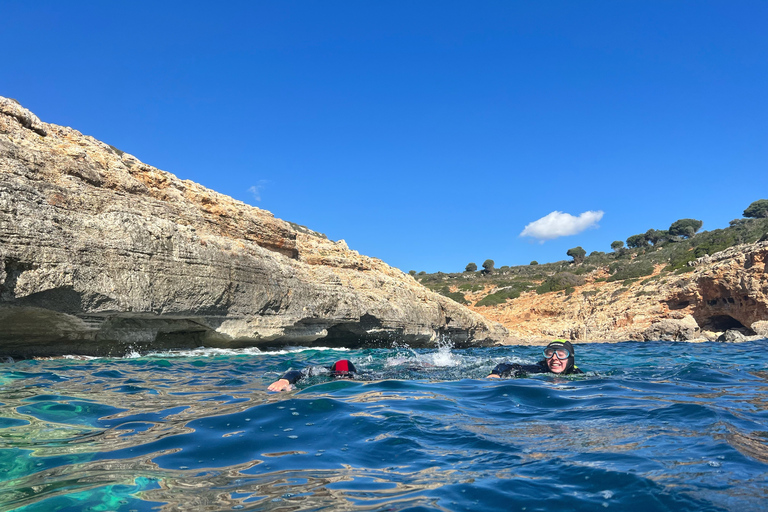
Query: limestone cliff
<point x="724" y="297"/>
<point x="100" y="252"/>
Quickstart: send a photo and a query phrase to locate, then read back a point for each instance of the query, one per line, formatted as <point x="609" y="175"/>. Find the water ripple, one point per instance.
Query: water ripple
<point x="655" y="426"/>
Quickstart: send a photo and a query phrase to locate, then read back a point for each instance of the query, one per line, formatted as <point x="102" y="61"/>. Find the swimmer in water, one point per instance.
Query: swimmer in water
<point x="342" y="369"/>
<point x="558" y="358"/>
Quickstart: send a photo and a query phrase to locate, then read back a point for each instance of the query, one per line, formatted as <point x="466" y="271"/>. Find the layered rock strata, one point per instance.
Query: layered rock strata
<point x="724" y="297"/>
<point x="101" y="253"/>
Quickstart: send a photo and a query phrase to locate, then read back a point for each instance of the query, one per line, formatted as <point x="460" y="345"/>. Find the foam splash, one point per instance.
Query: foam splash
<point x="443" y="357"/>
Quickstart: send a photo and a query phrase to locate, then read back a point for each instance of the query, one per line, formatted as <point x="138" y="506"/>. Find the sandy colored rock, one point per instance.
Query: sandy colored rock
<point x="725" y="291"/>
<point x="101" y="253"/>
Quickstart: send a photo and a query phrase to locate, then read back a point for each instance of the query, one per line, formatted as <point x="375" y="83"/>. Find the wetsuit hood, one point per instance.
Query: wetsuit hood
<point x="568" y="346"/>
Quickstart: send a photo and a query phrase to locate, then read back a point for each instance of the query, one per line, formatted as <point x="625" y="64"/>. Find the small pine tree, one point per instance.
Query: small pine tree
<point x="757" y="210"/>
<point x="656" y="235"/>
<point x="471" y="267"/>
<point x="577" y="253"/>
<point x="685" y="227"/>
<point x="636" y="241"/>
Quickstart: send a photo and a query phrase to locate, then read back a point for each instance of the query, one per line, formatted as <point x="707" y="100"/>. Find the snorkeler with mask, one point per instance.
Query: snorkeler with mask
<point x="558" y="358"/>
<point x="342" y="369"/>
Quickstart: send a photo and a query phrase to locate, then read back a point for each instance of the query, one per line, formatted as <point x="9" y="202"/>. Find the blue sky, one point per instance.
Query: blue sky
<point x="429" y="134"/>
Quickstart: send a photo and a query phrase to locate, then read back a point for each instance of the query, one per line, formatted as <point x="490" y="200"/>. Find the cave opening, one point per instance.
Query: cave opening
<point x="721" y="323"/>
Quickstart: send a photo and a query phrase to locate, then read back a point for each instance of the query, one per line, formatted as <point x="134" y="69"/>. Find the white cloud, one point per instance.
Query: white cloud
<point x="558" y="224"/>
<point x="256" y="189"/>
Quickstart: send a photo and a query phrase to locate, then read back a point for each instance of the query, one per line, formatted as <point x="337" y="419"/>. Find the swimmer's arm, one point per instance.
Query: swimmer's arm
<point x="505" y="370"/>
<point x="285" y="382"/>
<point x="279" y="385"/>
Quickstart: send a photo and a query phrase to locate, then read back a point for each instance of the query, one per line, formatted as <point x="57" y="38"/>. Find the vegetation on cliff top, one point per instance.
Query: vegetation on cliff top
<point x="674" y="248"/>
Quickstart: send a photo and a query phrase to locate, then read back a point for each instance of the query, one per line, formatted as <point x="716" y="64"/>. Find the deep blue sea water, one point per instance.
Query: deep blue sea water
<point x="650" y="426"/>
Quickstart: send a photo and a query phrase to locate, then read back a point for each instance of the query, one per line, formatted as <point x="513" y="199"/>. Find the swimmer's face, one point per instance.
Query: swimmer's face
<point x="343" y="375"/>
<point x="557" y="365"/>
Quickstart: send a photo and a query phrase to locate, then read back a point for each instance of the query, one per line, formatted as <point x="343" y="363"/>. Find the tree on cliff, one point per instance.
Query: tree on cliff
<point x="577" y="253"/>
<point x="685" y="227"/>
<point x="488" y="266"/>
<point x="636" y="241"/>
<point x="656" y="235"/>
<point x="757" y="210"/>
<point x="471" y="267"/>
<point x="618" y="244"/>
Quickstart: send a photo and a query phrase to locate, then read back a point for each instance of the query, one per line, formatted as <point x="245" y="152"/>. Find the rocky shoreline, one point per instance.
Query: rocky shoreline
<point x="102" y="254"/>
<point x="723" y="298"/>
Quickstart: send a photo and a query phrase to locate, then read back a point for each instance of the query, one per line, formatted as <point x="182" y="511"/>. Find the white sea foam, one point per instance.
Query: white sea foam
<point x="247" y="351"/>
<point x="442" y="357"/>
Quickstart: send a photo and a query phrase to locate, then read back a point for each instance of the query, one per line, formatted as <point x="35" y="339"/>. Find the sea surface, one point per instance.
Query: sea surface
<point x="650" y="426"/>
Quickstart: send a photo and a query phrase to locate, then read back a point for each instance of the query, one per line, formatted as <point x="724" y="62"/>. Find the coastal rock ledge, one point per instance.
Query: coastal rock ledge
<point x="101" y="254"/>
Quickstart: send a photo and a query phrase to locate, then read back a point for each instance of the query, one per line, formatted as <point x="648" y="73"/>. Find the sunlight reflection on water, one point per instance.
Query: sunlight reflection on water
<point x="419" y="428"/>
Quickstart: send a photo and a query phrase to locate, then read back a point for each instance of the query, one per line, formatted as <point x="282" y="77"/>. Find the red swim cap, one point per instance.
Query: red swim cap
<point x="343" y="367"/>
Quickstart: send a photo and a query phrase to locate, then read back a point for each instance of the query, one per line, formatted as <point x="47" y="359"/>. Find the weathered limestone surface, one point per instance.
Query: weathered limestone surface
<point x="101" y="253"/>
<point x="725" y="297"/>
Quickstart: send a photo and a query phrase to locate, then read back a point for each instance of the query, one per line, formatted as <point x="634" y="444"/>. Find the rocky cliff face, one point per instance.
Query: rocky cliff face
<point x="100" y="253"/>
<point x="725" y="297"/>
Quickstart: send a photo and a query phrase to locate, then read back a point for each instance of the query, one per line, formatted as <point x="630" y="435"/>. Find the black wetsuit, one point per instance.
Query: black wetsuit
<point x="507" y="370"/>
<point x="294" y="376"/>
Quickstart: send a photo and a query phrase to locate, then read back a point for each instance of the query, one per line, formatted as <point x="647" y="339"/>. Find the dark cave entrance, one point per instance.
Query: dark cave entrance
<point x="722" y="323"/>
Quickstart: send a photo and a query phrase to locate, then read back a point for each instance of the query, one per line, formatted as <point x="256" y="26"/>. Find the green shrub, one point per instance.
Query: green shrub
<point x="680" y="261"/>
<point x="560" y="281"/>
<point x="634" y="270"/>
<point x="713" y="241"/>
<point x="457" y="296"/>
<point x="584" y="269"/>
<point x="499" y="297"/>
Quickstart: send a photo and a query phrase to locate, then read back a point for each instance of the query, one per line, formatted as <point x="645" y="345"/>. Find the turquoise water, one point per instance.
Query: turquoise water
<point x="651" y="426"/>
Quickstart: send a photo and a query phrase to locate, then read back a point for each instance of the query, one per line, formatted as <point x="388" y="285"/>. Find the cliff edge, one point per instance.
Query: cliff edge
<point x="101" y="253"/>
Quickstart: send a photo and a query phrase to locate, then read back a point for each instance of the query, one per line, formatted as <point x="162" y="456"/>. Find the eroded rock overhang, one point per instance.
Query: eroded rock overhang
<point x="101" y="253"/>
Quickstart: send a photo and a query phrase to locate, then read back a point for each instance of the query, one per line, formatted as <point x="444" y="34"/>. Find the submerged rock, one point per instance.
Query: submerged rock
<point x="101" y="253"/>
